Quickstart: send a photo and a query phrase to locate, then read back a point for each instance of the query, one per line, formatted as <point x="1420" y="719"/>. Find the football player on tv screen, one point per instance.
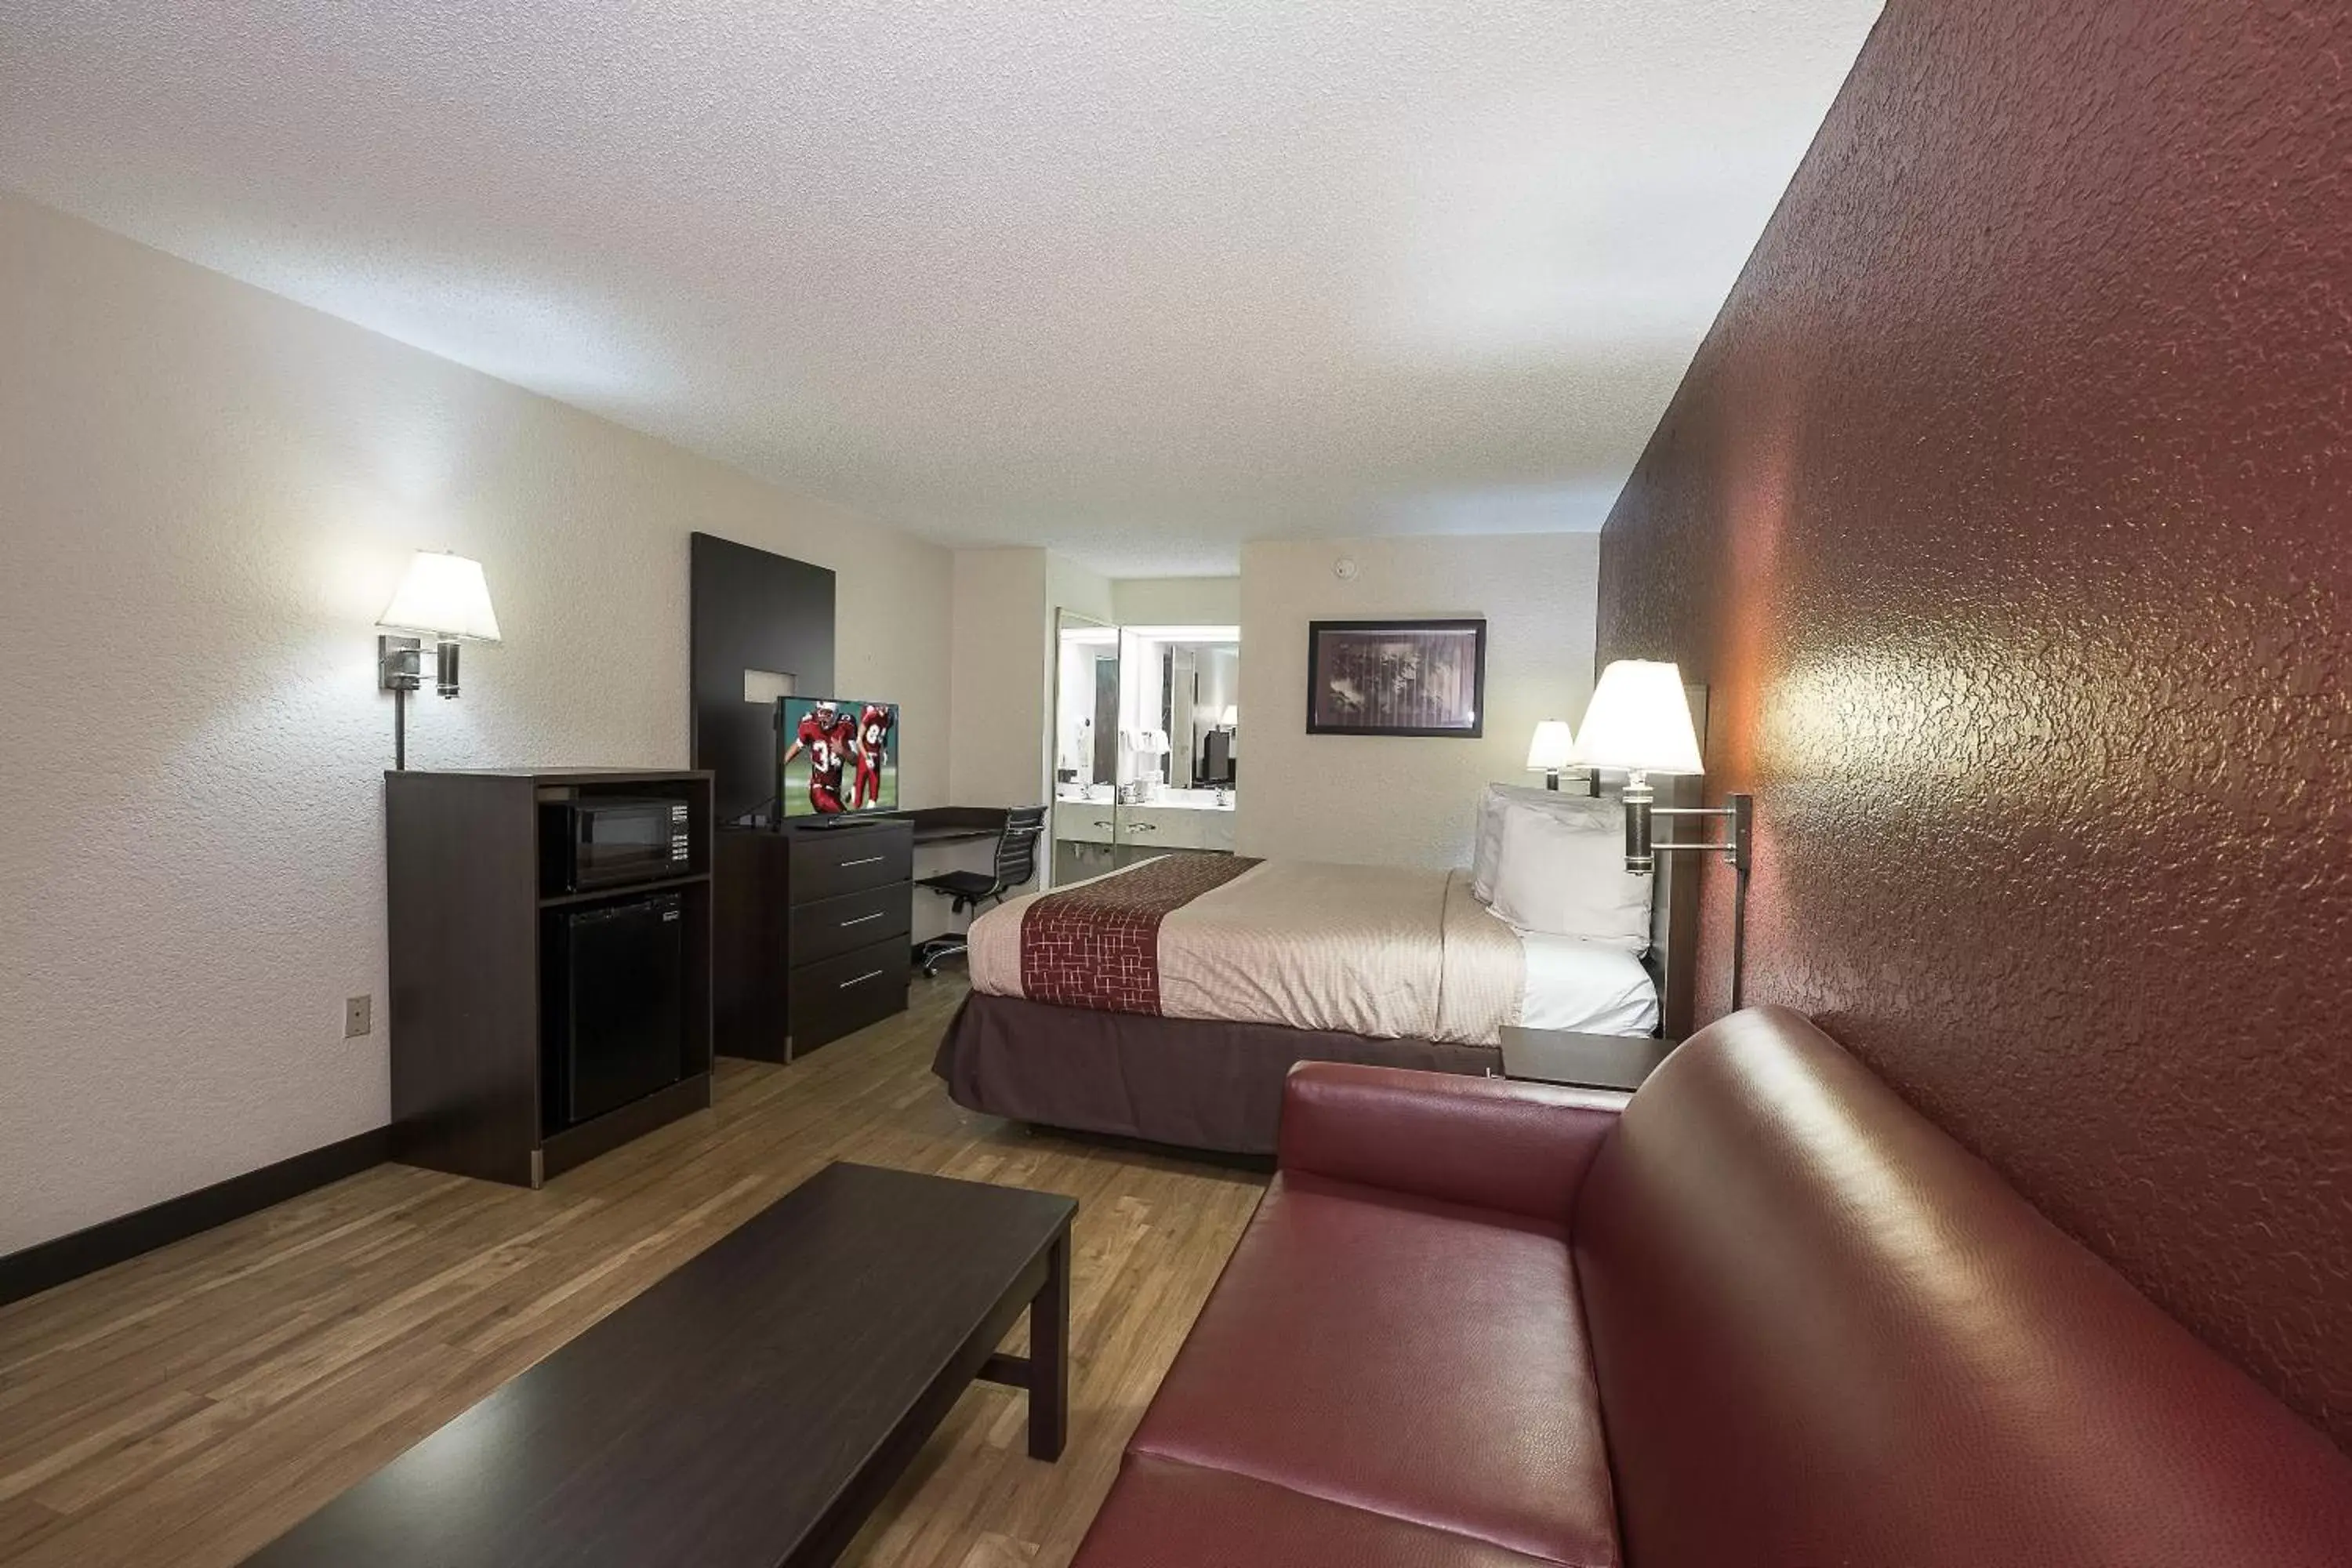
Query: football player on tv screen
<point x="827" y="736"/>
<point x="873" y="751"/>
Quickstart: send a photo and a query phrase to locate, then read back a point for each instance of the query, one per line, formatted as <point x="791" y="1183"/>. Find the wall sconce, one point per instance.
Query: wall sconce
<point x="444" y="597"/>
<point x="1552" y="749"/>
<point x="1640" y="720"/>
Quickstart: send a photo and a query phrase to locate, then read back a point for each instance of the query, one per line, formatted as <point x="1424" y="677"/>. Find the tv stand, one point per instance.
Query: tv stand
<point x="814" y="932"/>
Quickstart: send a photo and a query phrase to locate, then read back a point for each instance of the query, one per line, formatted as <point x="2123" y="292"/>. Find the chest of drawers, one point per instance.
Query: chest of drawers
<point x="814" y="935"/>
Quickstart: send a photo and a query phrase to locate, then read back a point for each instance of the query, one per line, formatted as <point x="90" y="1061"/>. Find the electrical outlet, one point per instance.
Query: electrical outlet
<point x="358" y="1017"/>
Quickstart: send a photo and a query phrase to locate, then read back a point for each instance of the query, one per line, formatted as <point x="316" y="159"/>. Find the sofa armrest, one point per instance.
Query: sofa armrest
<point x="1489" y="1142"/>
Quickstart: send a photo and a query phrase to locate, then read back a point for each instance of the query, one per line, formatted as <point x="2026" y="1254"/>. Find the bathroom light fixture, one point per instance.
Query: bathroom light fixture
<point x="1552" y="749"/>
<point x="444" y="597"/>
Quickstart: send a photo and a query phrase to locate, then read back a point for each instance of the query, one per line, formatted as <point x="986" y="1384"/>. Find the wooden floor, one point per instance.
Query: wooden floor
<point x="187" y="1406"/>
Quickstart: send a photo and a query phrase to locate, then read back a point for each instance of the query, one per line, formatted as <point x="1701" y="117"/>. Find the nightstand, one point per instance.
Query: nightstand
<point x="1584" y="1061"/>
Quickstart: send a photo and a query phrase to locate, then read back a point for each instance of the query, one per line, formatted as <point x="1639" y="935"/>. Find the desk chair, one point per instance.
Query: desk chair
<point x="1016" y="862"/>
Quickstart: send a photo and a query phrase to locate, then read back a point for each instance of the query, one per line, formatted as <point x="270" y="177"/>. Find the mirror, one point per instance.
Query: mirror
<point x="1179" y="711"/>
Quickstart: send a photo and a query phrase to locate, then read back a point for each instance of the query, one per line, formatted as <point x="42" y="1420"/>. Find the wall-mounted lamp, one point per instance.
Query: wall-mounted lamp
<point x="1552" y="749"/>
<point x="443" y="597"/>
<point x="1229" y="718"/>
<point x="1640" y="720"/>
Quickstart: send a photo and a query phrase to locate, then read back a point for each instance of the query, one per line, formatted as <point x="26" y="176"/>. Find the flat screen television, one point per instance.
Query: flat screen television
<point x="836" y="756"/>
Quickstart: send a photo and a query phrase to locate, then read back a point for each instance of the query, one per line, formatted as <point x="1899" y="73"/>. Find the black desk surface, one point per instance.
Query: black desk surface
<point x="932" y="825"/>
<point x="744" y="1412"/>
<point x="945" y="835"/>
<point x="955" y="824"/>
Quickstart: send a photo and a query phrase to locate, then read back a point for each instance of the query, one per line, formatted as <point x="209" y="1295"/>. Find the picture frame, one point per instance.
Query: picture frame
<point x="1403" y="678"/>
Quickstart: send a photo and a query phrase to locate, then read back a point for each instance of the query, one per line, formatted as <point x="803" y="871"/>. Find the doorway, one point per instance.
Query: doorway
<point x="1146" y="742"/>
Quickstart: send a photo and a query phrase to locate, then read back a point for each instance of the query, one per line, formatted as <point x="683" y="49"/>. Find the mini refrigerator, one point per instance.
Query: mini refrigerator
<point x="614" y="1011"/>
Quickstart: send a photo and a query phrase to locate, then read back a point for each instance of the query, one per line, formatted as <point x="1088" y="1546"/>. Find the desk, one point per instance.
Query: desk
<point x="955" y="824"/>
<point x="944" y="835"/>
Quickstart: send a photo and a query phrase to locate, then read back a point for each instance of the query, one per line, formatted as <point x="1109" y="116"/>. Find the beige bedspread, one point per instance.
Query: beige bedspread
<point x="1382" y="951"/>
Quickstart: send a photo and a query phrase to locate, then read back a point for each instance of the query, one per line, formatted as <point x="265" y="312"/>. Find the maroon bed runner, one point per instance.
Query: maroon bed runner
<point x="1097" y="945"/>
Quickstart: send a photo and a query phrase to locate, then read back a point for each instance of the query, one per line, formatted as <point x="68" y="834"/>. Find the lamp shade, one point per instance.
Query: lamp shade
<point x="1639" y="720"/>
<point x="443" y="597"/>
<point x="1553" y="748"/>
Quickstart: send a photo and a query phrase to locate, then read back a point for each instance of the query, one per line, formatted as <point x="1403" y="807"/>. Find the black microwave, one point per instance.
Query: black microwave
<point x="611" y="841"/>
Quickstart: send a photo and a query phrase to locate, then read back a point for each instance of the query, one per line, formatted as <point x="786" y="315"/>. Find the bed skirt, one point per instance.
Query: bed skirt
<point x="1195" y="1083"/>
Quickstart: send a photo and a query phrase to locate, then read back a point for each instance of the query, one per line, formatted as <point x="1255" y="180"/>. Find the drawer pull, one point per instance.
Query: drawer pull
<point x="1100" y="823"/>
<point x="862" y="920"/>
<point x="870" y="974"/>
<point x="869" y="860"/>
<point x="1143" y="827"/>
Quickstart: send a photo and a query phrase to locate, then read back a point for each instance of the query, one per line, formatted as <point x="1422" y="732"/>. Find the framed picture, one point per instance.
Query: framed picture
<point x="1396" y="678"/>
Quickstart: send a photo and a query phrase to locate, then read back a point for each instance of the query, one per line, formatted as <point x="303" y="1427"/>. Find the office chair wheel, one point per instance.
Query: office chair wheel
<point x="936" y="951"/>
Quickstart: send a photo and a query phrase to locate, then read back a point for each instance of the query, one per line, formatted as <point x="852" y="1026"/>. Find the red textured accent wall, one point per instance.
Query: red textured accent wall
<point x="2008" y="511"/>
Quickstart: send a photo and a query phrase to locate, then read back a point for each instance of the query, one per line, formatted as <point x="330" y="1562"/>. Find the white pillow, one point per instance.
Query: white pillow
<point x="1560" y="876"/>
<point x="1584" y="810"/>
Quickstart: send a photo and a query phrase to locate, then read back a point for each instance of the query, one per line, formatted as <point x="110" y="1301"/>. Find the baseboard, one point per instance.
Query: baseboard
<point x="49" y="1263"/>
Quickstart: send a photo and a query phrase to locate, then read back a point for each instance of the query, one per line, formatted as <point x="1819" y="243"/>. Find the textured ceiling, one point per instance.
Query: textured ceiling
<point x="1136" y="280"/>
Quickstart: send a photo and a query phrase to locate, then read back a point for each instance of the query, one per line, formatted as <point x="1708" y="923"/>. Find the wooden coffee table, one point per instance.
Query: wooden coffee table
<point x="747" y="1410"/>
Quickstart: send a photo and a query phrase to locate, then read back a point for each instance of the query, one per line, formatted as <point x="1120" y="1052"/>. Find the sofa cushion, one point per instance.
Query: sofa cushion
<point x="1826" y="1334"/>
<point x="1167" y="1514"/>
<point x="1406" y="1356"/>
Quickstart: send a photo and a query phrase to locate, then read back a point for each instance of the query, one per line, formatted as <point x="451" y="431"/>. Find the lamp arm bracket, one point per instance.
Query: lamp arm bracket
<point x="1738" y="845"/>
<point x="399" y="664"/>
<point x="1730" y="852"/>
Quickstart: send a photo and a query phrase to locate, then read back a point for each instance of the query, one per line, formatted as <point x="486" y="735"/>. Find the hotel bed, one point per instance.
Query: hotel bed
<point x="1167" y="1001"/>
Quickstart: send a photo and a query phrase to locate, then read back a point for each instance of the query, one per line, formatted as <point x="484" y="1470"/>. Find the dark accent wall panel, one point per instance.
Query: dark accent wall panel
<point x="2008" y="511"/>
<point x="751" y="609"/>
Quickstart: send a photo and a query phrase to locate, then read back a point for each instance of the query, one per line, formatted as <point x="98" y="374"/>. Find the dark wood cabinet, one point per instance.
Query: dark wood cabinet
<point x="814" y="935"/>
<point x="469" y="911"/>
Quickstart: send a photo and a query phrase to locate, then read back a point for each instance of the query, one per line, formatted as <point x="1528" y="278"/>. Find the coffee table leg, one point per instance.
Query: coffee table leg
<point x="1049" y="1357"/>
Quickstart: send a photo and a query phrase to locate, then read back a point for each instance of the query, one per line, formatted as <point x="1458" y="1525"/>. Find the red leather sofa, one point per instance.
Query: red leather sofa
<point x="1761" y="1315"/>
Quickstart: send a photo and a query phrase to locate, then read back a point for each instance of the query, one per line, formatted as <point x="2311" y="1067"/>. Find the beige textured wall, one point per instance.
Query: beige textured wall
<point x="1403" y="802"/>
<point x="1072" y="587"/>
<point x="207" y="494"/>
<point x="999" y="683"/>
<point x="1177" y="601"/>
<point x="1006" y="601"/>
